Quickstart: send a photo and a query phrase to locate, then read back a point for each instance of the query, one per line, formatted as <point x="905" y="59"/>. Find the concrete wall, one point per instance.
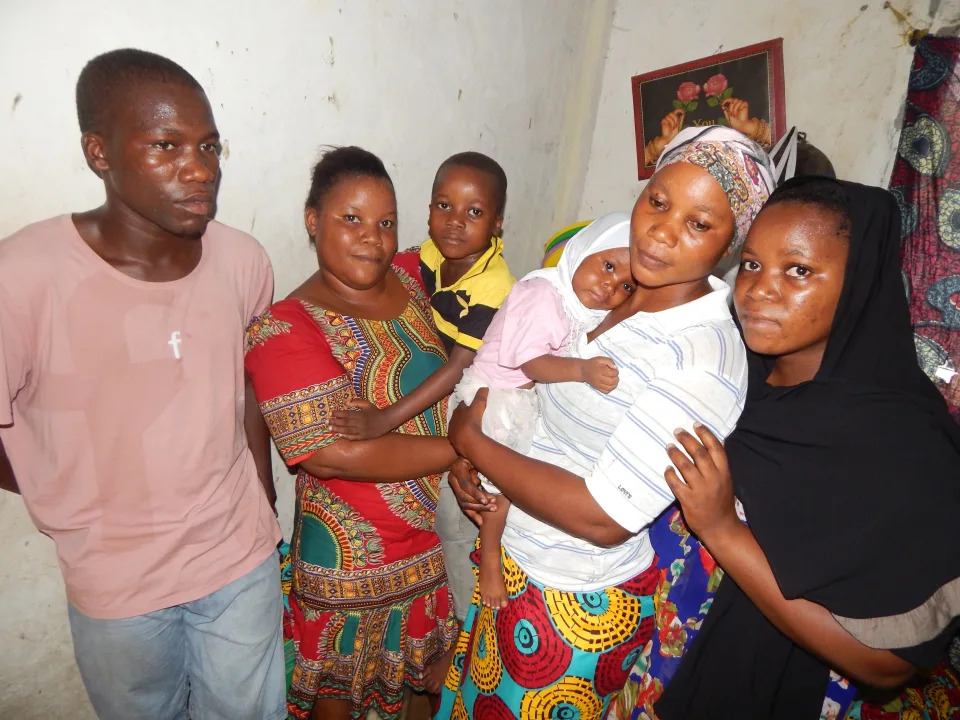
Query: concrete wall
<point x="846" y="64"/>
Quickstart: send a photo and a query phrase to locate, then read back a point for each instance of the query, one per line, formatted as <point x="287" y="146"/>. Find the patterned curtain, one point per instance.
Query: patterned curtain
<point x="926" y="182"/>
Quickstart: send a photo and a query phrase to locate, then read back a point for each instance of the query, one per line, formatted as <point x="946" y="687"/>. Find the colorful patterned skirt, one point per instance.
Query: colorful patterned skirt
<point x="689" y="578"/>
<point x="936" y="697"/>
<point x="548" y="654"/>
<point x="367" y="655"/>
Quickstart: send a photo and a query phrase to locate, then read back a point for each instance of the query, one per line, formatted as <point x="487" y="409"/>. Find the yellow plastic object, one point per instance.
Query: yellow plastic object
<point x="553" y="248"/>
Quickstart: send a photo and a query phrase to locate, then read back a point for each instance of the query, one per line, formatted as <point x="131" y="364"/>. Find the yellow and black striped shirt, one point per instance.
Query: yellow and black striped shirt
<point x="463" y="310"/>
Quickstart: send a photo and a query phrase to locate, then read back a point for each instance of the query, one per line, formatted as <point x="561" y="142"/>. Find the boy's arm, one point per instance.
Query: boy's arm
<point x="370" y="422"/>
<point x="7" y="479"/>
<point x="600" y="372"/>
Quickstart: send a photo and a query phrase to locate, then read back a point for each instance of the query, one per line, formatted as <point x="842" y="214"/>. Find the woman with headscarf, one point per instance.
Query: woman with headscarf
<point x="579" y="569"/>
<point x="847" y="466"/>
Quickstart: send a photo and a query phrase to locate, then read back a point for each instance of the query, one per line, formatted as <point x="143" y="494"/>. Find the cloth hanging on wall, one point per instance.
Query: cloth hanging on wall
<point x="926" y="182"/>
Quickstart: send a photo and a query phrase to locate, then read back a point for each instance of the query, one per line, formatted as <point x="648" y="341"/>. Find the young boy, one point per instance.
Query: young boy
<point x="123" y="410"/>
<point x="467" y="279"/>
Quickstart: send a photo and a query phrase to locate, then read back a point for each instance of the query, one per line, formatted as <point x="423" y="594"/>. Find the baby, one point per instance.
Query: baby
<point x="526" y="343"/>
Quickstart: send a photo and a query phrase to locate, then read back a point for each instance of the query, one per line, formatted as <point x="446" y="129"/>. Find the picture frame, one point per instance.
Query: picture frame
<point x="741" y="88"/>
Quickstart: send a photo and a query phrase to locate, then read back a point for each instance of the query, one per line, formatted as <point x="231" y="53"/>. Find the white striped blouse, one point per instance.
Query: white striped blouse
<point x="676" y="366"/>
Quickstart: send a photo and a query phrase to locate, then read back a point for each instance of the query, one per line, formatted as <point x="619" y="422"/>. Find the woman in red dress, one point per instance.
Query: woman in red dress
<point x="369" y="605"/>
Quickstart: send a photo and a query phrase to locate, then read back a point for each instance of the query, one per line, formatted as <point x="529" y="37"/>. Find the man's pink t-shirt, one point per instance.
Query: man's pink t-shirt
<point x="121" y="410"/>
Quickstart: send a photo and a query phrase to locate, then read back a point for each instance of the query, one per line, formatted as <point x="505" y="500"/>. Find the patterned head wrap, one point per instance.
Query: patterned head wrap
<point x="740" y="166"/>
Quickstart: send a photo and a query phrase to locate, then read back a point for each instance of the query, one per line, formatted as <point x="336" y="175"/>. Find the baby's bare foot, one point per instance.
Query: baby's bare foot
<point x="493" y="591"/>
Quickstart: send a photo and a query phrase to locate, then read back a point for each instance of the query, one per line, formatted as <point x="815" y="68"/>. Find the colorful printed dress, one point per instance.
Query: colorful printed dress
<point x="369" y="606"/>
<point x="549" y="654"/>
<point x="689" y="578"/>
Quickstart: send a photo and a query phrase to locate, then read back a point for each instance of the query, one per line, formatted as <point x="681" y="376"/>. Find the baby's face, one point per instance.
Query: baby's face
<point x="603" y="280"/>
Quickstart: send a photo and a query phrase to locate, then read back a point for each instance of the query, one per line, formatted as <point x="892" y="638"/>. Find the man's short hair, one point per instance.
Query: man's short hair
<point x="107" y="77"/>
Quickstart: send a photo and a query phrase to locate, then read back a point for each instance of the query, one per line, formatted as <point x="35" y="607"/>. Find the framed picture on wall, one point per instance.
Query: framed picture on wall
<point x="742" y="89"/>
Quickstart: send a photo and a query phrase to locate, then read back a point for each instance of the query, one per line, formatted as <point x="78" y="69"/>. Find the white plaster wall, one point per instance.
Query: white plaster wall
<point x="541" y="85"/>
<point x="413" y="81"/>
<point x="845" y="65"/>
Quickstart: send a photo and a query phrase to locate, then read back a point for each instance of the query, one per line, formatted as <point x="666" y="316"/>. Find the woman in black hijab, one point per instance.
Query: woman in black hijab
<point x="847" y="465"/>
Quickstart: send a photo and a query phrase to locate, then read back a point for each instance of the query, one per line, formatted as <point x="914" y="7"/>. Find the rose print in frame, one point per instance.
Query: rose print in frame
<point x="742" y="89"/>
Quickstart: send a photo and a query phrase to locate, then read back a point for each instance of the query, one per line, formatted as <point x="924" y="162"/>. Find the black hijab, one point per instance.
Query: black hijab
<point x="851" y="485"/>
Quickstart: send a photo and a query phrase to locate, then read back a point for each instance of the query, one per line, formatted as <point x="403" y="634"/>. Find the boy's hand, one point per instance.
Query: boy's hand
<point x="601" y="373"/>
<point x="361" y="421"/>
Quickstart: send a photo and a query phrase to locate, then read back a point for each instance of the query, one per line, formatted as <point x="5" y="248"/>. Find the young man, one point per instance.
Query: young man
<point x="123" y="410"/>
